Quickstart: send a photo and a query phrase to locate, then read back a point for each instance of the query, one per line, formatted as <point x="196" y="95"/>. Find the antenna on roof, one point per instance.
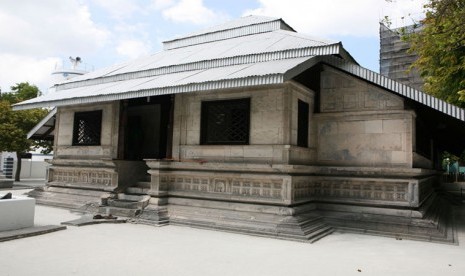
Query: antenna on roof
<point x="75" y="61"/>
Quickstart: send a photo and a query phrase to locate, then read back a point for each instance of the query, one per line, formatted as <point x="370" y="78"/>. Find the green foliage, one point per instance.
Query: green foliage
<point x="14" y="125"/>
<point x="20" y="92"/>
<point x="440" y="46"/>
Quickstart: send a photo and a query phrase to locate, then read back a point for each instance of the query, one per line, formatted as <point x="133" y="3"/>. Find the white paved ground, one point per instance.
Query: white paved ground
<point x="129" y="249"/>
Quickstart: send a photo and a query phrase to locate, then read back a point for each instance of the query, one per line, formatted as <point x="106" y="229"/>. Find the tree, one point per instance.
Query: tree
<point x="440" y="46"/>
<point x="14" y="125"/>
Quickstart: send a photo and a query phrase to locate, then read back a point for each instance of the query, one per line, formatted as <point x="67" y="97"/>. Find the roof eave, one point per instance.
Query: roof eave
<point x="192" y="87"/>
<point x="41" y="123"/>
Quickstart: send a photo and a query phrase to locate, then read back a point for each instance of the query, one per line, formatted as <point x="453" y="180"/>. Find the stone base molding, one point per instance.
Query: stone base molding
<point x="295" y="202"/>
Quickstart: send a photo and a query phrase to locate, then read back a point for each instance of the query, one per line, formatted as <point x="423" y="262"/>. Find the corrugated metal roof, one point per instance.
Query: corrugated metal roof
<point x="269" y="57"/>
<point x="223" y="63"/>
<point x="261" y="47"/>
<point x="271" y="72"/>
<point x="230" y="24"/>
<point x="240" y="27"/>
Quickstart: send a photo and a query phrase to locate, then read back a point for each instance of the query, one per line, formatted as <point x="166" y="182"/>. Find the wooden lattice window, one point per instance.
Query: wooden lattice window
<point x="225" y="122"/>
<point x="87" y="128"/>
<point x="302" y="124"/>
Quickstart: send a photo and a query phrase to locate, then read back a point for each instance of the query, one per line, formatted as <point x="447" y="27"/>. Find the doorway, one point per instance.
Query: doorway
<point x="145" y="128"/>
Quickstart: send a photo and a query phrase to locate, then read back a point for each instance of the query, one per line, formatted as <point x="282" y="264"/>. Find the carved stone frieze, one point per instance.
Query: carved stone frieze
<point x="306" y="188"/>
<point x="94" y="177"/>
<point x="243" y="187"/>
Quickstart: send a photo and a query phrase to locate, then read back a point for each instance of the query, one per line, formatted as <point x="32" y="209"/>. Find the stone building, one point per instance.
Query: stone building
<point x="251" y="127"/>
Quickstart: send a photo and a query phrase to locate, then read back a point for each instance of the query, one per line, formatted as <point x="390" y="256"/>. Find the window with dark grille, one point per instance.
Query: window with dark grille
<point x="225" y="122"/>
<point x="87" y="128"/>
<point x="302" y="124"/>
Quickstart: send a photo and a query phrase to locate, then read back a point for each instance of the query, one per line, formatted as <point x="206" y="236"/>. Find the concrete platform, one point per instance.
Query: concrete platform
<point x="28" y="232"/>
<point x="33" y="228"/>
<point x="16" y="213"/>
<point x="134" y="249"/>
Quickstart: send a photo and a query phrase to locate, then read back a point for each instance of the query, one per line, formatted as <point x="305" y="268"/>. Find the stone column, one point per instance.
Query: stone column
<point x="158" y="181"/>
<point x="156" y="212"/>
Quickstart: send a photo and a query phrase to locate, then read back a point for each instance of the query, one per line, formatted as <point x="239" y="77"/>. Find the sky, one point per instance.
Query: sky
<point x="38" y="36"/>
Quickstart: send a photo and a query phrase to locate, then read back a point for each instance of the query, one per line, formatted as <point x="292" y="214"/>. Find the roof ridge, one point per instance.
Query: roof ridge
<point x="249" y="25"/>
<point x="329" y="49"/>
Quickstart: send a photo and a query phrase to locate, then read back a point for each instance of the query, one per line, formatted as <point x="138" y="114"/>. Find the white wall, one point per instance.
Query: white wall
<point x="32" y="169"/>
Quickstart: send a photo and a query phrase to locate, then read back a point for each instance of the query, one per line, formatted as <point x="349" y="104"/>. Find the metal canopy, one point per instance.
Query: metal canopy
<point x="45" y="129"/>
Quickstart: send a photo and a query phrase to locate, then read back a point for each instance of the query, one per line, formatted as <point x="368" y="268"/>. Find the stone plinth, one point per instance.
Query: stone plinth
<point x="299" y="202"/>
<point x="73" y="183"/>
<point x="16" y="213"/>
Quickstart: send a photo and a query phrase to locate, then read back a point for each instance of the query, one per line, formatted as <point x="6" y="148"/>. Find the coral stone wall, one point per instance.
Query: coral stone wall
<point x="109" y="132"/>
<point x="273" y="126"/>
<point x="361" y="124"/>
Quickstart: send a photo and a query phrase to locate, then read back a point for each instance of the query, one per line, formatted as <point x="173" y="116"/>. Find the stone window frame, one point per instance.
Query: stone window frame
<point x="206" y="125"/>
<point x="303" y="112"/>
<point x="89" y="124"/>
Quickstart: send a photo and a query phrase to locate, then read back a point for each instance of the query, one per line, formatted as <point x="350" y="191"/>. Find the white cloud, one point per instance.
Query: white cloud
<point x="15" y="69"/>
<point x="34" y="33"/>
<point x="120" y="8"/>
<point x="162" y="4"/>
<point x="133" y="48"/>
<point x="337" y="17"/>
<point x="191" y="11"/>
<point x="48" y="27"/>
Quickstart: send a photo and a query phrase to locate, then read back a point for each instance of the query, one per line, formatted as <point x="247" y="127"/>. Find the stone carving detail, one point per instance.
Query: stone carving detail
<point x="183" y="183"/>
<point x="256" y="188"/>
<point x="229" y="186"/>
<point x="89" y="177"/>
<point x="305" y="189"/>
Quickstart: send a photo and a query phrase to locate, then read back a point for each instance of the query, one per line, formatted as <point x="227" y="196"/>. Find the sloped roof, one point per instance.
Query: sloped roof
<point x="245" y="52"/>
<point x="249" y="51"/>
<point x="45" y="129"/>
<point x="270" y="72"/>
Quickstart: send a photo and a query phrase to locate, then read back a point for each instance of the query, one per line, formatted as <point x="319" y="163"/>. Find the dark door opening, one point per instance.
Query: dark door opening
<point x="145" y="127"/>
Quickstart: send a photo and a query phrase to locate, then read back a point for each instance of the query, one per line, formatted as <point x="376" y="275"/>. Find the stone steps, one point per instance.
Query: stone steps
<point x="153" y="215"/>
<point x="304" y="228"/>
<point x="436" y="224"/>
<point x="119" y="211"/>
<point x="129" y="204"/>
<point x="320" y="233"/>
<point x="129" y="201"/>
<point x="310" y="227"/>
<point x="141" y="188"/>
<point x="65" y="197"/>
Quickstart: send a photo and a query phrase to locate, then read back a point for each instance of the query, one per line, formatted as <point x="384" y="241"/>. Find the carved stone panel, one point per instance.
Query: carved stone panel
<point x="308" y="188"/>
<point x="92" y="177"/>
<point x="228" y="186"/>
